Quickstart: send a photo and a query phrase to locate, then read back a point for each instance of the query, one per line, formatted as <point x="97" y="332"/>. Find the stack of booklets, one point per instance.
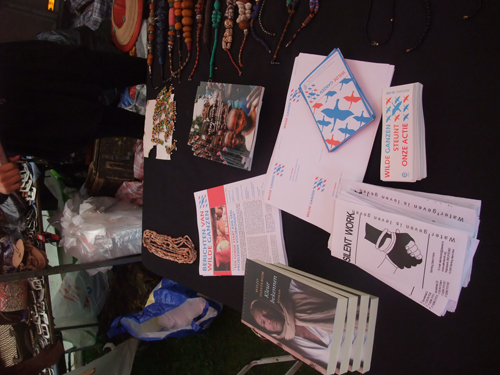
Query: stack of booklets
<point x="225" y="123"/>
<point x="403" y="134"/>
<point x="421" y="244"/>
<point x="336" y="100"/>
<point x="326" y="325"/>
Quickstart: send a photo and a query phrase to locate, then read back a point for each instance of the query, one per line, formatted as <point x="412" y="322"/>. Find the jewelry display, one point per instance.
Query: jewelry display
<point x="171" y="34"/>
<point x="180" y="250"/>
<point x="164" y="118"/>
<point x="161" y="24"/>
<point x="313" y="8"/>
<point x="227" y="40"/>
<point x="291" y="5"/>
<point x="199" y="8"/>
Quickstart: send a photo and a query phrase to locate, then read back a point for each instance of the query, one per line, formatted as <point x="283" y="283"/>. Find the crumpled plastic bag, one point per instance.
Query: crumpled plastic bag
<point x="100" y="228"/>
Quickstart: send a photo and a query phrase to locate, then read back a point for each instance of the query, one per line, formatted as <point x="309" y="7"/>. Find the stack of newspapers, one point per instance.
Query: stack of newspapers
<point x="326" y="325"/>
<point x="420" y="244"/>
<point x="403" y="134"/>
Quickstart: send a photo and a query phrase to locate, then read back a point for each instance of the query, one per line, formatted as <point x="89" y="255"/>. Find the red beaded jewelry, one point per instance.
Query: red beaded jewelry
<point x="199" y="8"/>
<point x="243" y="20"/>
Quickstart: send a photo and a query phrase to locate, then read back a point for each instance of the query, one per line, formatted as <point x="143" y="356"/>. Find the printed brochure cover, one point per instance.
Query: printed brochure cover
<point x="225" y="122"/>
<point x="336" y="101"/>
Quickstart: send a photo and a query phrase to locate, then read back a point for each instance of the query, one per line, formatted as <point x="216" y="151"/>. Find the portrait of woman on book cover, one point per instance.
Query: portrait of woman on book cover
<point x="302" y="320"/>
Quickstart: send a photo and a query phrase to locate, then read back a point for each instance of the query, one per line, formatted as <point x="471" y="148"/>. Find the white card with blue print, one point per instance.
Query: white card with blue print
<point x="336" y="101"/>
<point x="403" y="134"/>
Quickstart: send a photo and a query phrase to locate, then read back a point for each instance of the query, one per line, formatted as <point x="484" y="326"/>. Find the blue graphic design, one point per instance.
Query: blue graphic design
<point x="278" y="170"/>
<point x="323" y="123"/>
<point x="319" y="185"/>
<point x="405" y="117"/>
<point x="345" y="81"/>
<point x="337" y="113"/>
<point x="347" y="132"/>
<point x="329" y="94"/>
<point x="362" y="119"/>
<point x="397" y="107"/>
<point x="405" y="108"/>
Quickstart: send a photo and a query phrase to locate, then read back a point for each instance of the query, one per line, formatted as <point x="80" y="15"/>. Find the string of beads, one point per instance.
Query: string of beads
<point x="291" y="5"/>
<point x="151" y="37"/>
<point x="199" y="8"/>
<point x="313" y="8"/>
<point x="243" y="20"/>
<point x="164" y="117"/>
<point x="180" y="250"/>
<point x="261" y="9"/>
<point x="216" y="17"/>
<point x="227" y="39"/>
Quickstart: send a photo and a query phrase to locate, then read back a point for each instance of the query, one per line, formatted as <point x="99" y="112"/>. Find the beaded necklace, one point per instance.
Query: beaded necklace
<point x="164" y="117"/>
<point x="254" y="16"/>
<point x="313" y="8"/>
<point x="180" y="250"/>
<point x="261" y="8"/>
<point x="291" y="5"/>
<point x="186" y="12"/>
<point x="243" y="20"/>
<point x="422" y="36"/>
<point x="228" y="33"/>
<point x="171" y="34"/>
<point x="161" y="24"/>
<point x="151" y="37"/>
<point x="216" y="16"/>
<point x="200" y="5"/>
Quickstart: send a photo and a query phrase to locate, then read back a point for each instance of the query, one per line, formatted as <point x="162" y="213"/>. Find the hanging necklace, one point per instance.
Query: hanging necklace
<point x="243" y="20"/>
<point x="424" y="33"/>
<point x="161" y="24"/>
<point x="216" y="16"/>
<point x="164" y="117"/>
<point x="254" y="16"/>
<point x="290" y="5"/>
<point x="200" y="5"/>
<point x="372" y="42"/>
<point x="260" y="9"/>
<point x="186" y="12"/>
<point x="228" y="33"/>
<point x="313" y="8"/>
<point x="171" y="34"/>
<point x="151" y="37"/>
<point x="466" y="17"/>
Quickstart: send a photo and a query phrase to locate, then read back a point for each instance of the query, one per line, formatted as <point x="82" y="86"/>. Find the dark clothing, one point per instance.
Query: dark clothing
<point x="49" y="105"/>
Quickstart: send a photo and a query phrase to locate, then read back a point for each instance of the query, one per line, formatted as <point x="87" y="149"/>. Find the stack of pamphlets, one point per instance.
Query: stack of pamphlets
<point x="336" y="100"/>
<point x="403" y="134"/>
<point x="225" y="123"/>
<point x="421" y="244"/>
<point x="234" y="224"/>
<point x="326" y="325"/>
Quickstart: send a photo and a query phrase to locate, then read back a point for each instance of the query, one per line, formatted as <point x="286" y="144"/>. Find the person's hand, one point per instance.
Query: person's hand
<point x="405" y="253"/>
<point x="10" y="177"/>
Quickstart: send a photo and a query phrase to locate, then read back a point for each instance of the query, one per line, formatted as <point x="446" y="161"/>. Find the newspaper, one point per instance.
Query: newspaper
<point x="234" y="224"/>
<point x="418" y="244"/>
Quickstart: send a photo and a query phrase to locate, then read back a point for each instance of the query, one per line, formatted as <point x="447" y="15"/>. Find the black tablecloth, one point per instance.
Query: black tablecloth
<point x="457" y="64"/>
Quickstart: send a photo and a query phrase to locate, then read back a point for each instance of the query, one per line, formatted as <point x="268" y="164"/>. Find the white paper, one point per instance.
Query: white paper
<point x="301" y="167"/>
<point x="234" y="224"/>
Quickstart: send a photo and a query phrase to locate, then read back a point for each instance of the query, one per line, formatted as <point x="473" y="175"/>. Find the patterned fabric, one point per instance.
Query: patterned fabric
<point x="14" y="295"/>
<point x="93" y="15"/>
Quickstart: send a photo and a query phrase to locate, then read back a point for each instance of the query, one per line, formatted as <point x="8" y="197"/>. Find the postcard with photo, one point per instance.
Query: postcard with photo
<point x="225" y="122"/>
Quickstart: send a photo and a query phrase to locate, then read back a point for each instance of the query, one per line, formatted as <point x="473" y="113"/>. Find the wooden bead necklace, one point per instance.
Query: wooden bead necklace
<point x="243" y="20"/>
<point x="199" y="8"/>
<point x="313" y="8"/>
<point x="227" y="39"/>
<point x="187" y="28"/>
<point x="164" y="117"/>
<point x="171" y="34"/>
<point x="216" y="17"/>
<point x="291" y="5"/>
<point x="180" y="250"/>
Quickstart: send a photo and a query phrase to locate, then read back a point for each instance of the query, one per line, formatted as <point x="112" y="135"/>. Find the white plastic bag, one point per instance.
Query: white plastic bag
<point x="100" y="228"/>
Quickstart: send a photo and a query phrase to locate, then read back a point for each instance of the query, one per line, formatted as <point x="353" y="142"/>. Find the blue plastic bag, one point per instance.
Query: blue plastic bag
<point x="172" y="310"/>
